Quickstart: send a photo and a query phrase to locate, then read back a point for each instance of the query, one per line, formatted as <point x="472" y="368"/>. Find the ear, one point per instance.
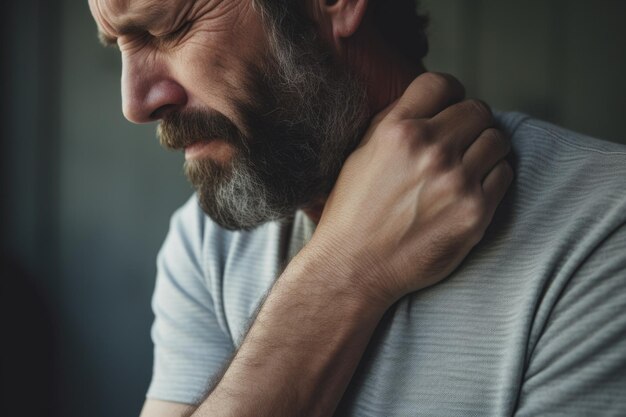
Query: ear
<point x="344" y="16"/>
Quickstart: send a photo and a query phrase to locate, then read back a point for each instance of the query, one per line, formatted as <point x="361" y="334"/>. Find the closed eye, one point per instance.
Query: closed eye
<point x="177" y="34"/>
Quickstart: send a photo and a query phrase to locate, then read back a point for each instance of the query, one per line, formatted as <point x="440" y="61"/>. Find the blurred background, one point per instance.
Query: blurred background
<point x="86" y="196"/>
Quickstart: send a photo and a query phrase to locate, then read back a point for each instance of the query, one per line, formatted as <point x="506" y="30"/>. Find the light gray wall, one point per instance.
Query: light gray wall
<point x="91" y="195"/>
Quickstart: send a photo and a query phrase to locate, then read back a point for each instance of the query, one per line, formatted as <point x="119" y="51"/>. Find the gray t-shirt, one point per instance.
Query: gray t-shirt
<point x="532" y="323"/>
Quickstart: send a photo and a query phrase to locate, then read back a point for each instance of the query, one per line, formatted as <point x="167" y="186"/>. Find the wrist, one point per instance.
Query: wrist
<point x="331" y="269"/>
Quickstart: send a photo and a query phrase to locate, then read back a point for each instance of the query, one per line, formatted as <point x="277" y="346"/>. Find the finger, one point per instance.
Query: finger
<point x="383" y="113"/>
<point x="459" y="125"/>
<point x="496" y="184"/>
<point x="485" y="152"/>
<point x="427" y="95"/>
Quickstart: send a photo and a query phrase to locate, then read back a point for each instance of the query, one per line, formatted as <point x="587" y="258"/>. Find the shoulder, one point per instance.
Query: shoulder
<point x="190" y="230"/>
<point x="529" y="133"/>
<point x="195" y="242"/>
<point x="563" y="170"/>
<point x="555" y="145"/>
<point x="567" y="199"/>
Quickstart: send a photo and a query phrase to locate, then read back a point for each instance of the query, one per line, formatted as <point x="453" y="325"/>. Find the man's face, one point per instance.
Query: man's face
<point x="265" y="125"/>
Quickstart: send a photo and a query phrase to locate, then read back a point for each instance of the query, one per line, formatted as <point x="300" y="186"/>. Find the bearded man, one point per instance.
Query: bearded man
<point x="337" y="182"/>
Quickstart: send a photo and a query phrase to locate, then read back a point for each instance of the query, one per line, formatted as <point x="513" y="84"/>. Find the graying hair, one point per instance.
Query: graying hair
<point x="321" y="111"/>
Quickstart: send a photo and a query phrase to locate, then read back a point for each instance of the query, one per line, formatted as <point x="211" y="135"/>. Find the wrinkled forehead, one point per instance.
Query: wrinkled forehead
<point x="111" y="15"/>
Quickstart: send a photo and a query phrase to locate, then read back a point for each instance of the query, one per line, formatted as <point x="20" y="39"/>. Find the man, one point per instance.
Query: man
<point x="340" y="186"/>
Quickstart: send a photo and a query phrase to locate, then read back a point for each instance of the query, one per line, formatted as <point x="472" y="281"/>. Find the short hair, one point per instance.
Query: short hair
<point x="399" y="22"/>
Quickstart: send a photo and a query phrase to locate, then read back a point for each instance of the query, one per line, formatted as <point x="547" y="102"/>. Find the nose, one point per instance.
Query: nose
<point x="149" y="92"/>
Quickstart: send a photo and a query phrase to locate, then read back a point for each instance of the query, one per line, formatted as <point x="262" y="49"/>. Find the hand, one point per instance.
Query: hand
<point x="417" y="194"/>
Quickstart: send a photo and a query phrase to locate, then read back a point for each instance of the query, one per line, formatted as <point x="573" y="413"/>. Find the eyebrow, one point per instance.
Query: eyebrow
<point x="133" y="26"/>
<point x="126" y="29"/>
<point x="106" y="40"/>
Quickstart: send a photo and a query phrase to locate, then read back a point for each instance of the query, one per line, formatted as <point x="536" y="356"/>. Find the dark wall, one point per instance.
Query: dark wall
<point x="560" y="60"/>
<point x="28" y="227"/>
<point x="86" y="197"/>
<point x="85" y="207"/>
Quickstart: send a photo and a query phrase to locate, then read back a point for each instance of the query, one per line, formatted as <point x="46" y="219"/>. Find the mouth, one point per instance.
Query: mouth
<point x="217" y="149"/>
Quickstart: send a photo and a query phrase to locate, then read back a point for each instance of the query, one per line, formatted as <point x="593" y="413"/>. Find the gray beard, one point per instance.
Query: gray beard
<point x="304" y="117"/>
<point x="234" y="197"/>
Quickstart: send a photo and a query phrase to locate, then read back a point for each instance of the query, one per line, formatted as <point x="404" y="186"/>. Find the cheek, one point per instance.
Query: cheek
<point x="212" y="76"/>
<point x="213" y="66"/>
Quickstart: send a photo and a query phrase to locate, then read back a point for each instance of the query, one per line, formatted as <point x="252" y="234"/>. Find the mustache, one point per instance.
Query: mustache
<point x="181" y="129"/>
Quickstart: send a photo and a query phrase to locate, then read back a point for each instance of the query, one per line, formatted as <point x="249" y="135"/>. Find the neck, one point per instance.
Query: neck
<point x="385" y="75"/>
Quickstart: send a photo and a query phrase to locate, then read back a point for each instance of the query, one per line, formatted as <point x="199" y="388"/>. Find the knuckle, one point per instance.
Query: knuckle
<point x="474" y="208"/>
<point x="435" y="79"/>
<point x="455" y="183"/>
<point x="437" y="158"/>
<point x="437" y="82"/>
<point x="500" y="140"/>
<point x="492" y="134"/>
<point x="422" y="130"/>
<point x="473" y="217"/>
<point x="409" y="131"/>
<point x="480" y="108"/>
<point x="435" y="161"/>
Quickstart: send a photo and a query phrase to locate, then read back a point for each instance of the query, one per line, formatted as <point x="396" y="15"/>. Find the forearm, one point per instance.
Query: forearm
<point x="407" y="207"/>
<point x="301" y="350"/>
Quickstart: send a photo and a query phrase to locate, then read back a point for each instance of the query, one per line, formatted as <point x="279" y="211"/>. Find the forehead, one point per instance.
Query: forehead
<point x="114" y="16"/>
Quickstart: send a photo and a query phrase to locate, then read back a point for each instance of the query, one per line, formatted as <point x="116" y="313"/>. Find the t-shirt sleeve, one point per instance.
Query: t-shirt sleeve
<point x="190" y="348"/>
<point x="578" y="365"/>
